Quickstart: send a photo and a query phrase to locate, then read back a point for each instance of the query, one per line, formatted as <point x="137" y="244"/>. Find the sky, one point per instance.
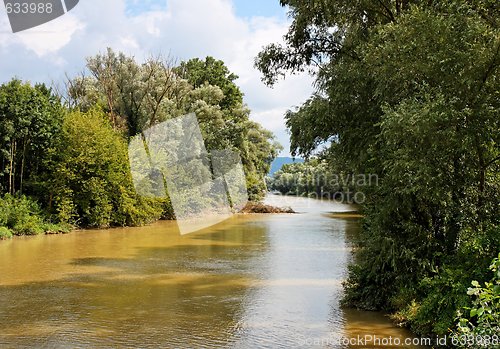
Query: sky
<point x="234" y="31"/>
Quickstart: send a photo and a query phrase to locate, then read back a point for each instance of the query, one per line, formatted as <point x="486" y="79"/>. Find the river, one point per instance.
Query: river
<point x="254" y="281"/>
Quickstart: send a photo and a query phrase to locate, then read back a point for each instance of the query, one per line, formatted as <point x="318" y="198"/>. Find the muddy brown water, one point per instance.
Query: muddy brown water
<point x="254" y="281"/>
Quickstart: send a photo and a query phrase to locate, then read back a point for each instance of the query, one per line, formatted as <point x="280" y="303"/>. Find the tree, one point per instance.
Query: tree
<point x="259" y="151"/>
<point x="212" y="72"/>
<point x="225" y="120"/>
<point x="91" y="183"/>
<point x="135" y="96"/>
<point x="399" y="96"/>
<point x="139" y="96"/>
<point x="31" y="117"/>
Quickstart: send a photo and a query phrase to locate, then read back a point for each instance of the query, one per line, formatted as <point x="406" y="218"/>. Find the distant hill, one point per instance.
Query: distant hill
<point x="279" y="162"/>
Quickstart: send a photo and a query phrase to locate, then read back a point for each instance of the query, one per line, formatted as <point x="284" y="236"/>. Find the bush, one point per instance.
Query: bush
<point x="482" y="320"/>
<point x="61" y="228"/>
<point x="21" y="215"/>
<point x="440" y="296"/>
<point x="91" y="181"/>
<point x="5" y="233"/>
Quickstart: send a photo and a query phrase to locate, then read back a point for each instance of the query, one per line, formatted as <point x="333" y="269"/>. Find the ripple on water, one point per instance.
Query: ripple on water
<point x="255" y="281"/>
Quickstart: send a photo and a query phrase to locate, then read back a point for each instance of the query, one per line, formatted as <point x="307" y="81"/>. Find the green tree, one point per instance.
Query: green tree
<point x="259" y="151"/>
<point x="30" y="119"/>
<point x="212" y="72"/>
<point x="139" y="96"/>
<point x="135" y="96"/>
<point x="225" y="120"/>
<point x="407" y="90"/>
<point x="91" y="184"/>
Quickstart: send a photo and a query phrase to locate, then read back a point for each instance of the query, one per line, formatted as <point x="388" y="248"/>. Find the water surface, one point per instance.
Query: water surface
<point x="254" y="281"/>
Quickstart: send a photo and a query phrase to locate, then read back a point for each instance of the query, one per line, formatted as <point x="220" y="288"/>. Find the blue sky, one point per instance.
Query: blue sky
<point x="234" y="31"/>
<point x="264" y="8"/>
<point x="243" y="8"/>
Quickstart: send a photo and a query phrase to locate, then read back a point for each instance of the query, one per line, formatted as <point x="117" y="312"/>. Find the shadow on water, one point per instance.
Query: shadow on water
<point x="182" y="295"/>
<point x="254" y="281"/>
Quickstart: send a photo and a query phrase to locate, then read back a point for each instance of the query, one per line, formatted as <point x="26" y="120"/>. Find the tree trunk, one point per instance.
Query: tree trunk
<point x="454" y="227"/>
<point x="11" y="167"/>
<point x="398" y="7"/>
<point x="14" y="169"/>
<point x="23" y="160"/>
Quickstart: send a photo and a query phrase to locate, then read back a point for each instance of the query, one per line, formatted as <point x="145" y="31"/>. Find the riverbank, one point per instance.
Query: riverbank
<point x="21" y="216"/>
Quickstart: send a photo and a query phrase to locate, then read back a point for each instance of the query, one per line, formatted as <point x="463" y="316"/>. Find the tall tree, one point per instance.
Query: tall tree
<point x="90" y="180"/>
<point x="138" y="96"/>
<point x="213" y="72"/>
<point x="31" y="117"/>
<point x="407" y="90"/>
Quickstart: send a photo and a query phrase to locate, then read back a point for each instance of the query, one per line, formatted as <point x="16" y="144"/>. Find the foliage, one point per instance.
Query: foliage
<point x="482" y="320"/>
<point x="407" y="90"/>
<point x="138" y="96"/>
<point x="318" y="178"/>
<point x="74" y="161"/>
<point x="215" y="73"/>
<point x="259" y="151"/>
<point x="91" y="184"/>
<point x="23" y="216"/>
<point x="135" y="96"/>
<point x="5" y="233"/>
<point x="31" y="117"/>
<point x="225" y="120"/>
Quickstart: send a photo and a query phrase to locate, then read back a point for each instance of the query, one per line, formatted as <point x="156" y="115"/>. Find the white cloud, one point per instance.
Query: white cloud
<point x="186" y="29"/>
<point x="52" y="36"/>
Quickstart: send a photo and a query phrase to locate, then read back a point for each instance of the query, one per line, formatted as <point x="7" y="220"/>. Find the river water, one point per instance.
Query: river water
<point x="254" y="281"/>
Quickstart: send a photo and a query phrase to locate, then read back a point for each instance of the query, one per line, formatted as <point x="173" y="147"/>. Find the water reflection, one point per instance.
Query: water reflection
<point x="253" y="281"/>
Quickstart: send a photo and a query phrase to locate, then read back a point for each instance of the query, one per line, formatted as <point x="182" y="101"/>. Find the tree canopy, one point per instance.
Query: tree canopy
<point x="68" y="153"/>
<point x="30" y="119"/>
<point x="407" y="90"/>
<point x="137" y="96"/>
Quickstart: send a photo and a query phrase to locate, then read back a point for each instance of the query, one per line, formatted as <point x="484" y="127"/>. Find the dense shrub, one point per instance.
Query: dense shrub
<point x="23" y="216"/>
<point x="91" y="184"/>
<point x="5" y="233"/>
<point x="482" y="320"/>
